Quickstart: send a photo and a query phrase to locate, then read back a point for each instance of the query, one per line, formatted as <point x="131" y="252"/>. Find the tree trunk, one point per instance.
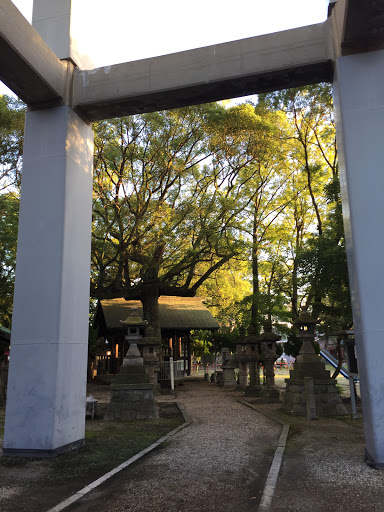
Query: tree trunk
<point x="150" y="300"/>
<point x="294" y="292"/>
<point x="255" y="274"/>
<point x="255" y="295"/>
<point x="339" y="356"/>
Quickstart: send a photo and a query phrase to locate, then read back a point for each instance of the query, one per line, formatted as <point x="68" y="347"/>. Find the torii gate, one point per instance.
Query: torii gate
<point x="46" y="390"/>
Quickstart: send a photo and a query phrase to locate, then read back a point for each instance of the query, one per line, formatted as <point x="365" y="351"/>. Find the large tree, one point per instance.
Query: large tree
<point x="171" y="194"/>
<point x="161" y="224"/>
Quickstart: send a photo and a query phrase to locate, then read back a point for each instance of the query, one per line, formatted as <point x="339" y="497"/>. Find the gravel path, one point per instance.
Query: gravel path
<point x="219" y="463"/>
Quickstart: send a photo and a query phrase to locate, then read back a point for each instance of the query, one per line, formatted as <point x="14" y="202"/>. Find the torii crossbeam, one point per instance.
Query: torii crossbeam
<point x="41" y="64"/>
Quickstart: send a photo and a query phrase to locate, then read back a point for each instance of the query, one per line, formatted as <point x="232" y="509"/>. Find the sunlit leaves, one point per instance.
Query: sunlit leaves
<point x="12" y="114"/>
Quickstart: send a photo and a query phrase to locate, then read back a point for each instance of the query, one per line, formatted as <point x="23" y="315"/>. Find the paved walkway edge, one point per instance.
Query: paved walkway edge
<point x="64" y="504"/>
<point x="270" y="484"/>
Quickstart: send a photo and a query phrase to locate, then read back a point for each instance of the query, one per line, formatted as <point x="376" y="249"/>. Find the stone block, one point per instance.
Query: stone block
<point x="252" y="391"/>
<point x="269" y="394"/>
<point x="341" y="410"/>
<point x="299" y="410"/>
<point x="131" y="405"/>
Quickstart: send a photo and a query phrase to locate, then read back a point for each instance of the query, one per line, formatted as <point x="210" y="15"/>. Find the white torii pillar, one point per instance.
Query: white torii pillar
<point x="45" y="411"/>
<point x="359" y="112"/>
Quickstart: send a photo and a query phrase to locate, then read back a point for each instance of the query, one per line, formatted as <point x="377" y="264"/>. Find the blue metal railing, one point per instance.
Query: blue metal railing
<point x="334" y="362"/>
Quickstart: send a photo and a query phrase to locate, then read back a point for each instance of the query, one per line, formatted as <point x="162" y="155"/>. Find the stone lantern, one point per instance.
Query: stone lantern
<point x="268" y="341"/>
<point x="131" y="392"/>
<point x="228" y="367"/>
<point x="132" y="325"/>
<point x="252" y="353"/>
<point x="150" y="344"/>
<point x="242" y="359"/>
<point x="310" y="390"/>
<point x="306" y="326"/>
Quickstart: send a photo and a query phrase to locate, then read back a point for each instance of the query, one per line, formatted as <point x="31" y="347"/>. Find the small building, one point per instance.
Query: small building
<point x="178" y="316"/>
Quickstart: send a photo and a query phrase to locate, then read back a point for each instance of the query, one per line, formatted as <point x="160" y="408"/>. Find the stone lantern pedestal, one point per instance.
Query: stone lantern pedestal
<point x="268" y="340"/>
<point x="228" y="367"/>
<point x="131" y="392"/>
<point x="300" y="398"/>
<point x="150" y="345"/>
<point x="242" y="359"/>
<point x="253" y="358"/>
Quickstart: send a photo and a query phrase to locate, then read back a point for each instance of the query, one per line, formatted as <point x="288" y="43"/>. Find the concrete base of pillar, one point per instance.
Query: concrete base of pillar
<point x="371" y="462"/>
<point x="11" y="452"/>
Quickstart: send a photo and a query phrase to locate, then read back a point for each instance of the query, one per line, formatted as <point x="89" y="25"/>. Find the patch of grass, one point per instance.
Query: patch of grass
<point x="107" y="444"/>
<point x="106" y="448"/>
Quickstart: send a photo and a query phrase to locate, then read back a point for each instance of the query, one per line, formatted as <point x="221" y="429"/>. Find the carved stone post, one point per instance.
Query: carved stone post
<point x="268" y="355"/>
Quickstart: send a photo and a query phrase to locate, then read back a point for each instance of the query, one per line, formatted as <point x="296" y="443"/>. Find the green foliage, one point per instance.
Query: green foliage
<point x="9" y="217"/>
<point x="226" y="292"/>
<point x="168" y="198"/>
<point x="224" y="338"/>
<point x="318" y="273"/>
<point x="93" y="345"/>
<point x="201" y="343"/>
<point x="324" y="262"/>
<point x="12" y="114"/>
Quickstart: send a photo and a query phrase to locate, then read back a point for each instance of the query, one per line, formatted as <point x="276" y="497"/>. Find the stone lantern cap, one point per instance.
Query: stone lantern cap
<point x="133" y="319"/>
<point x="246" y="346"/>
<point x="150" y="338"/>
<point x="305" y="318"/>
<point x="251" y="337"/>
<point x="241" y="335"/>
<point x="268" y="335"/>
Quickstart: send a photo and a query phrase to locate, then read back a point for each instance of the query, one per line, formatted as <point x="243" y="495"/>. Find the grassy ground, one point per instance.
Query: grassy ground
<point x="35" y="485"/>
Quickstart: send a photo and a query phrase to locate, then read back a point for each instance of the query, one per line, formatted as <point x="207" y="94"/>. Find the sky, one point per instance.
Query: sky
<point x="128" y="30"/>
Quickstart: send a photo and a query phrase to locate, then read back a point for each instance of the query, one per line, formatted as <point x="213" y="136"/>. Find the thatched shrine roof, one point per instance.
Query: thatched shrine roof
<point x="175" y="313"/>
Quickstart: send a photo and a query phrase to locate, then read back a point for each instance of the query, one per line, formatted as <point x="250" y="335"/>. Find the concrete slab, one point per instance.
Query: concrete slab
<point x="248" y="66"/>
<point x="27" y="65"/>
